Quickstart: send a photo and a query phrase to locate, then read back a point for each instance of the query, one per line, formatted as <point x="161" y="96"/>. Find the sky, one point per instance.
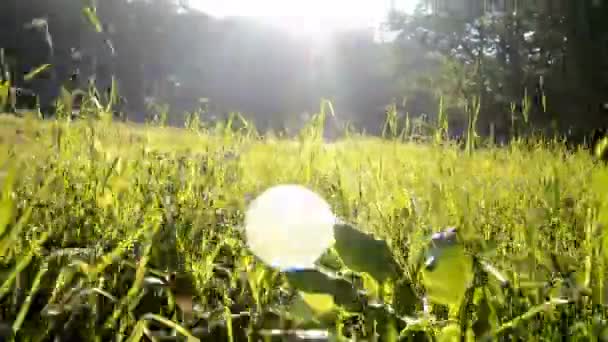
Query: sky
<point x="306" y="16"/>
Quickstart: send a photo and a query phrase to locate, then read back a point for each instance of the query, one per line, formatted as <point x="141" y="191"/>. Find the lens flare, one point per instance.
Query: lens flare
<point x="289" y="227"/>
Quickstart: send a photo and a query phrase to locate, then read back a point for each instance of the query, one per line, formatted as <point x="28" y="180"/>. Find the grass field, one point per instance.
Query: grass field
<point x="121" y="232"/>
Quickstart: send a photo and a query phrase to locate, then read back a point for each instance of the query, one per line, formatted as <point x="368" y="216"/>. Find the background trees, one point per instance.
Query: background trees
<point x="552" y="52"/>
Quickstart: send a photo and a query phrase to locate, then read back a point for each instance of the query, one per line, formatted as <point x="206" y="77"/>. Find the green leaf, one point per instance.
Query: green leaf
<point x="300" y="311"/>
<point x="138" y="332"/>
<point x="6" y="202"/>
<point x="91" y="15"/>
<point x="371" y="286"/>
<point x="331" y="260"/>
<point x="405" y="299"/>
<point x="33" y="73"/>
<point x="448" y="272"/>
<point x="601" y="149"/>
<point x="319" y="303"/>
<point x="449" y="333"/>
<point x="6" y="214"/>
<point x="255" y="279"/>
<point x="486" y="314"/>
<point x="390" y="331"/>
<point x="316" y="282"/>
<point x="363" y="253"/>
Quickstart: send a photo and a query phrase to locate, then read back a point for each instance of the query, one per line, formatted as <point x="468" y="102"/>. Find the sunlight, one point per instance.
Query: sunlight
<point x="289" y="227"/>
<point x="307" y="16"/>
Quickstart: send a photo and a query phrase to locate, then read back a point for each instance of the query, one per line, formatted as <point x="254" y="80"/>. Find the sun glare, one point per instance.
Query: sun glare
<point x="307" y="16"/>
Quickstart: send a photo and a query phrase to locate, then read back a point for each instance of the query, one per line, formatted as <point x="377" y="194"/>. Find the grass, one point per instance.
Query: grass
<point x="94" y="217"/>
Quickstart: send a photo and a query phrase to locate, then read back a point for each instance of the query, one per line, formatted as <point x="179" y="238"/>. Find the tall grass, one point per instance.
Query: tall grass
<point x="116" y="231"/>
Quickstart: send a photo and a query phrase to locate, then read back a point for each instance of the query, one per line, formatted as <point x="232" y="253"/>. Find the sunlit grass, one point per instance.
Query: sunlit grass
<point x="98" y="213"/>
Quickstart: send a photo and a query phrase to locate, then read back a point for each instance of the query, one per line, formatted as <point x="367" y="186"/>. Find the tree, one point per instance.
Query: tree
<point x="503" y="50"/>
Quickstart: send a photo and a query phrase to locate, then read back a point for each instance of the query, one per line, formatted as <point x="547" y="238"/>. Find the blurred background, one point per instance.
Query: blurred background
<point x="274" y="61"/>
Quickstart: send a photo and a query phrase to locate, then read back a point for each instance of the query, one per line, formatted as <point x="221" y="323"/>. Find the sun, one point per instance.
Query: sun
<point x="307" y="16"/>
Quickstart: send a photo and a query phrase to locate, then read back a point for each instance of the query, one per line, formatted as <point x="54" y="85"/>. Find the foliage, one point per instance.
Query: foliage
<point x="117" y="231"/>
<point x="504" y="52"/>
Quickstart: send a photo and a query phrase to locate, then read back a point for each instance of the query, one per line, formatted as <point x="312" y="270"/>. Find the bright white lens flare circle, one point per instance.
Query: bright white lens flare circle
<point x="289" y="227"/>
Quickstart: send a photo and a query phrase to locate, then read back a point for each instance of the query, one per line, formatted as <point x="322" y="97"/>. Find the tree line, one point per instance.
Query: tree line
<point x="528" y="63"/>
<point x="540" y="62"/>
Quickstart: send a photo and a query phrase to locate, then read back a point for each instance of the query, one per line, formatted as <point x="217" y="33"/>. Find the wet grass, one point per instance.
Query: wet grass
<point x="95" y="216"/>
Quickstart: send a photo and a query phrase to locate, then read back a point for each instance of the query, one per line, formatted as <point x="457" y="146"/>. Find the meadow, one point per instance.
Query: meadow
<point x="124" y="232"/>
